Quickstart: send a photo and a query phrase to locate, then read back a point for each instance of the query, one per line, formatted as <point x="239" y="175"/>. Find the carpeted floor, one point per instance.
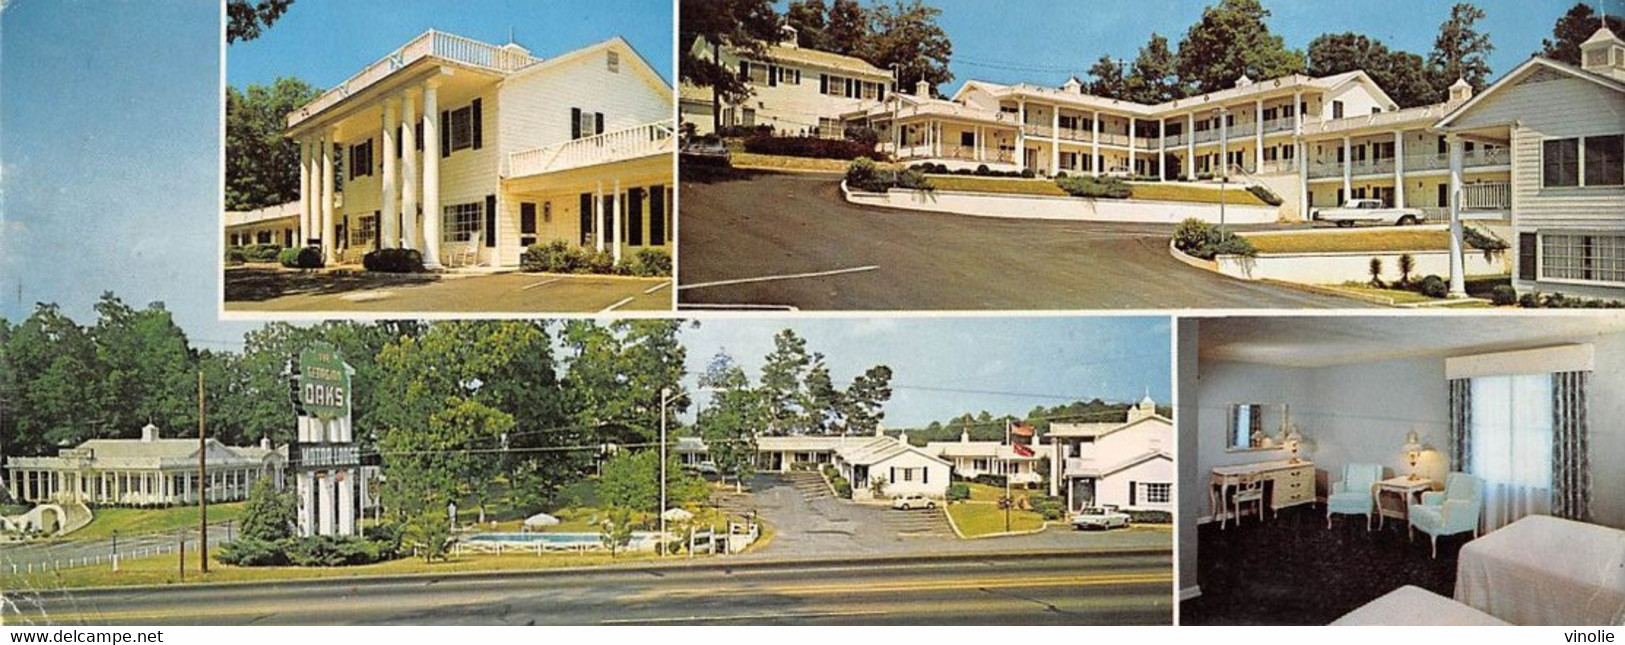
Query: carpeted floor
<point x="1291" y="570"/>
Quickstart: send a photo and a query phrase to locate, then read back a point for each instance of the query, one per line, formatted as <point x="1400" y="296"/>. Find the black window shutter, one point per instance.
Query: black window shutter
<point x="657" y="215"/>
<point x="893" y="474"/>
<point x="445" y="133"/>
<point x="400" y="136"/>
<point x="598" y="123"/>
<point x="527" y="218"/>
<point x="880" y="91"/>
<point x="418" y="132"/>
<point x="1133" y="487"/>
<point x="1527" y="245"/>
<point x="823" y="83"/>
<point x="634" y="216"/>
<point x="490" y="221"/>
<point x="744" y="70"/>
<point x="772" y="76"/>
<point x="575" y="123"/>
<point x="586" y="218"/>
<point x="478" y="131"/>
<point x="372" y="154"/>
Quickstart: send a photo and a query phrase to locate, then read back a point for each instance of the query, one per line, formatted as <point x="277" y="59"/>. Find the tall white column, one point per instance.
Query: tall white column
<point x="346" y="502"/>
<point x="306" y="483"/>
<point x="1021" y="134"/>
<point x="1131" y="169"/>
<point x="304" y="191"/>
<point x="324" y="503"/>
<point x="1458" y="282"/>
<point x="389" y="217"/>
<point x="1298" y="158"/>
<point x="598" y="216"/>
<point x="1348" y="170"/>
<point x="329" y="244"/>
<point x="615" y="223"/>
<point x="1094" y="146"/>
<point x="1162" y="149"/>
<point x="1399" y="170"/>
<point x="1055" y="140"/>
<point x="1190" y="146"/>
<point x="409" y="173"/>
<point x="1258" y="135"/>
<point x="431" y="175"/>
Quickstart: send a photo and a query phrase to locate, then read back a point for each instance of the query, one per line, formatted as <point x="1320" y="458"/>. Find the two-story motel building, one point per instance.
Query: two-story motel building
<point x="794" y="90"/>
<point x="470" y="152"/>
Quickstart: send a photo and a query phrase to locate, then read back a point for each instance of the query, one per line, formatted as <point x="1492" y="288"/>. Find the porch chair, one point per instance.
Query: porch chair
<point x="1450" y="511"/>
<point x="1352" y="495"/>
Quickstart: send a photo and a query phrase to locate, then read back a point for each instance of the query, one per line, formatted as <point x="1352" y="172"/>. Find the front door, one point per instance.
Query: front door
<point x="1081" y="494"/>
<point x="586" y="219"/>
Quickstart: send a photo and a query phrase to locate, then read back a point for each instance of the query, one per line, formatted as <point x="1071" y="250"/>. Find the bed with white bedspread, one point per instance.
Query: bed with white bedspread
<point x="1543" y="570"/>
<point x="1414" y="606"/>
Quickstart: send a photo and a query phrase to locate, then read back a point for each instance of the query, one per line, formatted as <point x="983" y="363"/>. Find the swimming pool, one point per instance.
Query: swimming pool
<point x="556" y="539"/>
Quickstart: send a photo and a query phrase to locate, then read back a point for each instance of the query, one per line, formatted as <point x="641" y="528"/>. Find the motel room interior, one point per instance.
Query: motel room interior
<point x="1363" y="470"/>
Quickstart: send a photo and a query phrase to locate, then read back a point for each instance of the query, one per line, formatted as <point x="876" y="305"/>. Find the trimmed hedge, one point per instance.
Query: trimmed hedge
<point x="651" y="263"/>
<point x="393" y="261"/>
<point x="308" y="257"/>
<point x="1203" y="240"/>
<point x="813" y="147"/>
<point x="1150" y="517"/>
<point x="862" y="174"/>
<point x="318" y="551"/>
<point x="235" y="255"/>
<point x="1052" y="508"/>
<point x="1503" y="295"/>
<point x="261" y="252"/>
<point x="1086" y="186"/>
<point x="958" y="491"/>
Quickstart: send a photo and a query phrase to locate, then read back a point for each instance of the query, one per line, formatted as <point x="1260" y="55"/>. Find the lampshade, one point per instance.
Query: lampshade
<point x="1412" y="442"/>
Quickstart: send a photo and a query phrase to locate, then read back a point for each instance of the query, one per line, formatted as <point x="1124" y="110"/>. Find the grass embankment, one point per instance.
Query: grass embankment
<point x="1374" y="241"/>
<point x="981" y="515"/>
<point x="1186" y="193"/>
<point x="138" y="521"/>
<point x="752" y="160"/>
<point x="1048" y="188"/>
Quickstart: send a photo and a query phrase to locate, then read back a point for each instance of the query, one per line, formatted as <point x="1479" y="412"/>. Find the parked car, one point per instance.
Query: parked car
<point x="1370" y="211"/>
<point x="912" y="501"/>
<point x="1096" y="517"/>
<point x="704" y="152"/>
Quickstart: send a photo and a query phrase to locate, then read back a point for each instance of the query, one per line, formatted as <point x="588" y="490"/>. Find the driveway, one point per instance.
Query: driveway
<point x="811" y="523"/>
<point x="778" y="240"/>
<point x="257" y="290"/>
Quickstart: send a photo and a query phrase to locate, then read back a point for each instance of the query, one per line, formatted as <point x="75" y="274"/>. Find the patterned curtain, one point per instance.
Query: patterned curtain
<point x="1571" y="467"/>
<point x="1461" y="424"/>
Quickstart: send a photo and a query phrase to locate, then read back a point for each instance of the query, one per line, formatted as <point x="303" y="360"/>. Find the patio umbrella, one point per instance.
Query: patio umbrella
<point x="541" y="519"/>
<point x="678" y="515"/>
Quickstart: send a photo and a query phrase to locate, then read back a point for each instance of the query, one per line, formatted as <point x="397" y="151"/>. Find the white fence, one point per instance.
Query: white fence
<point x="1062" y="208"/>
<point x="620" y="145"/>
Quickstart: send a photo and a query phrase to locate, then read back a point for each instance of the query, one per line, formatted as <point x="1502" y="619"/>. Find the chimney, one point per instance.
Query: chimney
<point x="880" y="431"/>
<point x="902" y="437"/>
<point x="964" y="435"/>
<point x="922" y="89"/>
<point x="1604" y="54"/>
<point x="1460" y="91"/>
<point x="149" y="433"/>
<point x="788" y="36"/>
<point x="265" y="442"/>
<point x="1073" y="86"/>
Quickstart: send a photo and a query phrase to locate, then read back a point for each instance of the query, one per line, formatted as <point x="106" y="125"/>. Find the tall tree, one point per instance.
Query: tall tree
<point x="821" y="401"/>
<point x="906" y="36"/>
<point x="747" y="26"/>
<point x="262" y="166"/>
<point x="848" y="30"/>
<point x="1154" y="77"/>
<point x="1401" y="74"/>
<point x="865" y="400"/>
<point x="730" y="423"/>
<point x="146" y="369"/>
<point x="53" y="361"/>
<point x="632" y="480"/>
<point x="1460" y="51"/>
<point x="1230" y="40"/>
<point x="1573" y="28"/>
<point x="246" y="19"/>
<point x="783" y="373"/>
<point x="1106" y="78"/>
<point x="808" y="17"/>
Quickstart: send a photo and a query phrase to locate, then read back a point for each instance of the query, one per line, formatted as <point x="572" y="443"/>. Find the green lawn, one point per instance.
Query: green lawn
<point x="1372" y="241"/>
<point x="982" y="518"/>
<point x="1398" y="296"/>
<point x="782" y="162"/>
<point x="1183" y="193"/>
<point x="137" y="521"/>
<point x="999" y="185"/>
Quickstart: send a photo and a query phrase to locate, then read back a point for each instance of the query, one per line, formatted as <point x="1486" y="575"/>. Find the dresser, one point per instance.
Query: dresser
<point x="1286" y="483"/>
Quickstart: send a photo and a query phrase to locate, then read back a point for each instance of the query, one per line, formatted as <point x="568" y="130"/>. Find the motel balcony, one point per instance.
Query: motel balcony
<point x="636" y="142"/>
<point x="1487" y="196"/>
<point x="431" y="43"/>
<point x="1074" y="465"/>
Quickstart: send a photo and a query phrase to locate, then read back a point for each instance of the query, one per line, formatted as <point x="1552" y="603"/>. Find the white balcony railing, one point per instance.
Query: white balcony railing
<point x="1487" y="196"/>
<point x="620" y="145"/>
<point x="431" y="43"/>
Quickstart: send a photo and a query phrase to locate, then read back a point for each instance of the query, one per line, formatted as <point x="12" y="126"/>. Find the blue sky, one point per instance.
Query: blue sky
<point x="1045" y="41"/>
<point x="944" y="366"/>
<point x="327" y="41"/>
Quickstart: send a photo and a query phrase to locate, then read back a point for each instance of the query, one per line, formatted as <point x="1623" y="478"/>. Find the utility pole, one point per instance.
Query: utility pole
<point x="180" y="535"/>
<point x="665" y="397"/>
<point x="203" y="486"/>
<point x="1008" y="500"/>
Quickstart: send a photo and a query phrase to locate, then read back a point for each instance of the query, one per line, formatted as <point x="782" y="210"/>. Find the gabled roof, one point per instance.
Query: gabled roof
<point x="879" y="449"/>
<point x="979" y="450"/>
<point x="1517" y="73"/>
<point x="826" y="60"/>
<point x="1097" y="430"/>
<point x="639" y="63"/>
<point x="1327" y="83"/>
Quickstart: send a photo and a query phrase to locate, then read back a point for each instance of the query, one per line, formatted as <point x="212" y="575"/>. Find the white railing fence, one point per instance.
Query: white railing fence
<point x="1494" y="195"/>
<point x="618" y="145"/>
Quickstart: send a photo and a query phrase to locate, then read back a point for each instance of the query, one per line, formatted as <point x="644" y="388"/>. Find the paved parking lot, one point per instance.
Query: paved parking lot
<point x="810" y="522"/>
<point x="253" y="289"/>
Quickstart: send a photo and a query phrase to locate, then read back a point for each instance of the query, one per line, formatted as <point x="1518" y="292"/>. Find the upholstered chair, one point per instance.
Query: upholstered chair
<point x="1452" y="510"/>
<point x="1352" y="494"/>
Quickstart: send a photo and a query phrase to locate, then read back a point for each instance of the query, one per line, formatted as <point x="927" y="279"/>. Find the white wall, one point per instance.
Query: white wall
<point x="1607" y="433"/>
<point x="1337" y="268"/>
<point x="1061" y="208"/>
<point x="1114" y="489"/>
<point x="536" y="106"/>
<point x="1191" y="487"/>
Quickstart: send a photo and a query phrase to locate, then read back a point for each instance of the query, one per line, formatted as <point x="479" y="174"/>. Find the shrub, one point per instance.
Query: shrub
<point x="982" y="170"/>
<point x="651" y="263"/>
<point x="1489" y="245"/>
<point x="989" y="479"/>
<point x="737" y="131"/>
<point x="843" y="488"/>
<point x="557" y="256"/>
<point x="308" y="257"/>
<point x="393" y="261"/>
<point x="262" y="252"/>
<point x="1052" y="508"/>
<point x="249" y="552"/>
<point x="912" y="180"/>
<point x="1503" y="295"/>
<point x="864" y="135"/>
<point x="1376" y="272"/>
<point x="958" y="491"/>
<point x="808" y="147"/>
<point x="1264" y="193"/>
<point x="1086" y="186"/>
<point x="1150" y="517"/>
<point x="1433" y="286"/>
<point x="1529" y="300"/>
<point x="1407" y="264"/>
<point x="600" y="262"/>
<point x="1028" y="173"/>
<point x="235" y="255"/>
<point x="1203" y="240"/>
<point x="861" y="174"/>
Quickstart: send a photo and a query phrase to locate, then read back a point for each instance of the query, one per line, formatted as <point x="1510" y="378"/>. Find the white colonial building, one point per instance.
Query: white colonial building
<point x="150" y="471"/>
<point x="277" y="225"/>
<point x="972" y="459"/>
<point x="1129" y="464"/>
<point x="470" y="152"/>
<point x="794" y="90"/>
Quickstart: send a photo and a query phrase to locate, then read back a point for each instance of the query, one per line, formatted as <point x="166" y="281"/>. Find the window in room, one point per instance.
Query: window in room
<point x="461" y="127"/>
<point x="1592" y="258"/>
<point x="1560" y="163"/>
<point x="1512" y="444"/>
<point x="461" y="222"/>
<point x="1158" y="493"/>
<point x="364" y="232"/>
<point x="1603" y="165"/>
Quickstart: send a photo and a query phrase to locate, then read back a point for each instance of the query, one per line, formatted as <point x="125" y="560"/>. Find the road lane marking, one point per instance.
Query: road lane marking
<point x="616" y="305"/>
<point x="543" y="283"/>
<point x="770" y="278"/>
<point x="734" y="617"/>
<point x="655" y="288"/>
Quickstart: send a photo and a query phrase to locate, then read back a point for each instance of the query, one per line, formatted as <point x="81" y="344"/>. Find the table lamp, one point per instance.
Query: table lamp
<point x="1413" y="449"/>
<point x="1294" y="441"/>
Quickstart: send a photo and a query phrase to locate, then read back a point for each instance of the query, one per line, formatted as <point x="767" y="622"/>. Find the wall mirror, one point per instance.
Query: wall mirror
<point x="1256" y="426"/>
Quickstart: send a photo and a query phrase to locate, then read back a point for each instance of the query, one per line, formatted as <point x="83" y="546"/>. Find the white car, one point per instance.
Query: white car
<point x="1095" y="517"/>
<point x="1370" y="211"/>
<point x="912" y="501"/>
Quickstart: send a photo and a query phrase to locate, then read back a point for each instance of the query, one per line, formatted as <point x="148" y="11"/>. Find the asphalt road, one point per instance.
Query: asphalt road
<point x="258" y="290"/>
<point x="749" y="238"/>
<point x="1011" y="588"/>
